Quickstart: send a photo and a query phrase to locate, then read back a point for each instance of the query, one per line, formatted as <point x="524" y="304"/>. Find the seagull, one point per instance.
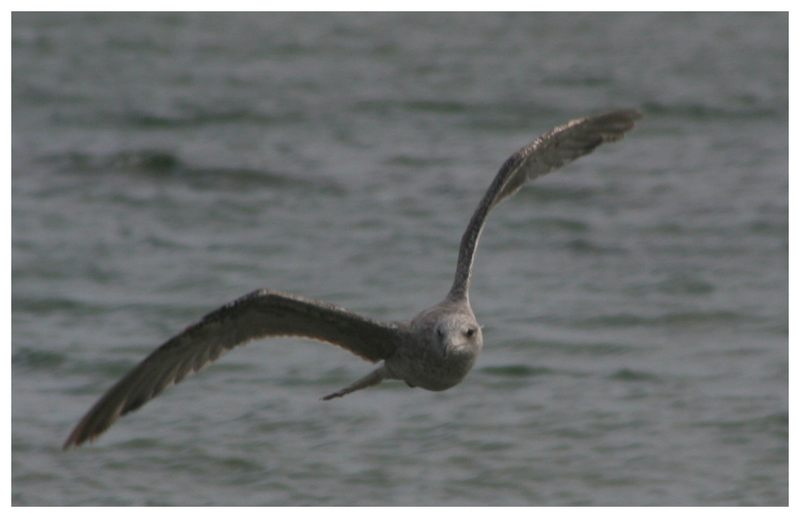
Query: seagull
<point x="435" y="350"/>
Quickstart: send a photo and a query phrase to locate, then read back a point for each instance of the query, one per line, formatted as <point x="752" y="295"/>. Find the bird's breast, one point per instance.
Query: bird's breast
<point x="431" y="367"/>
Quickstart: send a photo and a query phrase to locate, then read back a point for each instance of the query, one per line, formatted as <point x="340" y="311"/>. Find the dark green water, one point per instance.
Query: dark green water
<point x="635" y="304"/>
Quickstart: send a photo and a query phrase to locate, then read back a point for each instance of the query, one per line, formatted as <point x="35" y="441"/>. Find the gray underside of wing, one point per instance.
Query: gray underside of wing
<point x="259" y="314"/>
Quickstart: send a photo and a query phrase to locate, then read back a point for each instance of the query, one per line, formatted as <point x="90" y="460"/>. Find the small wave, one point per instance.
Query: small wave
<point x="418" y="105"/>
<point x="516" y="371"/>
<point x="685" y="285"/>
<point x="746" y="109"/>
<point x="777" y="422"/>
<point x="43" y="305"/>
<point x="416" y="162"/>
<point x="575" y="348"/>
<point x="108" y="370"/>
<point x="148" y="160"/>
<point x="669" y="228"/>
<point x="772" y="227"/>
<point x="140" y="443"/>
<point x="37" y="359"/>
<point x="633" y="375"/>
<point x="142" y="159"/>
<point x="543" y="193"/>
<point x="166" y="165"/>
<point x="431" y="106"/>
<point x="578" y="80"/>
<point x="202" y="118"/>
<point x="569" y="225"/>
<point x="687" y="318"/>
<point x="587" y="246"/>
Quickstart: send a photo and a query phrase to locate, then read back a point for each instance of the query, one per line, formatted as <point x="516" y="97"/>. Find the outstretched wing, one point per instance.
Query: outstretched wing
<point x="550" y="151"/>
<point x="259" y="314"/>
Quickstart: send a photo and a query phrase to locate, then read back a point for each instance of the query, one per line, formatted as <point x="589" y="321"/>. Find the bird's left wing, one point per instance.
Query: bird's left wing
<point x="556" y="148"/>
<point x="259" y="314"/>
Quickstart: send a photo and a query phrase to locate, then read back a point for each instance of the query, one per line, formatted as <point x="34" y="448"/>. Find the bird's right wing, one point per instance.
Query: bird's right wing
<point x="259" y="314"/>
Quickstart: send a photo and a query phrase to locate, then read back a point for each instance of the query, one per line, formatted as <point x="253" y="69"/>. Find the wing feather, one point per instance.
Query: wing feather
<point x="259" y="314"/>
<point x="550" y="151"/>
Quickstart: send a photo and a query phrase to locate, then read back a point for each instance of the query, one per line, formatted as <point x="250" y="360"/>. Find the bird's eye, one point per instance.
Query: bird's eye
<point x="470" y="332"/>
<point x="440" y="333"/>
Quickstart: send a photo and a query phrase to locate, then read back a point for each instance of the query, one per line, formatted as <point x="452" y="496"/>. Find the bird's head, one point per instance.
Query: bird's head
<point x="459" y="333"/>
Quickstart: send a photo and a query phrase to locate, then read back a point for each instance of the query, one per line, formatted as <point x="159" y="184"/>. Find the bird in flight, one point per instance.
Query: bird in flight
<point x="435" y="350"/>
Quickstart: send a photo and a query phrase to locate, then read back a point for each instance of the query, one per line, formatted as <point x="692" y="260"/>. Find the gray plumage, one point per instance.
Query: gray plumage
<point x="435" y="350"/>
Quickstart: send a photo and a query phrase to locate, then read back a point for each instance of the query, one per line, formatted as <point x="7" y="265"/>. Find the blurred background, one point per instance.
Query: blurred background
<point x="634" y="304"/>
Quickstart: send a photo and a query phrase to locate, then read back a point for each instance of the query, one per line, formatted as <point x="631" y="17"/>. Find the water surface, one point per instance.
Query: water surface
<point x="635" y="305"/>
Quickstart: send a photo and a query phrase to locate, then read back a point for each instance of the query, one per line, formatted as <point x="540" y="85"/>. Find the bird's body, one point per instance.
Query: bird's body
<point x="446" y="341"/>
<point x="435" y="350"/>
